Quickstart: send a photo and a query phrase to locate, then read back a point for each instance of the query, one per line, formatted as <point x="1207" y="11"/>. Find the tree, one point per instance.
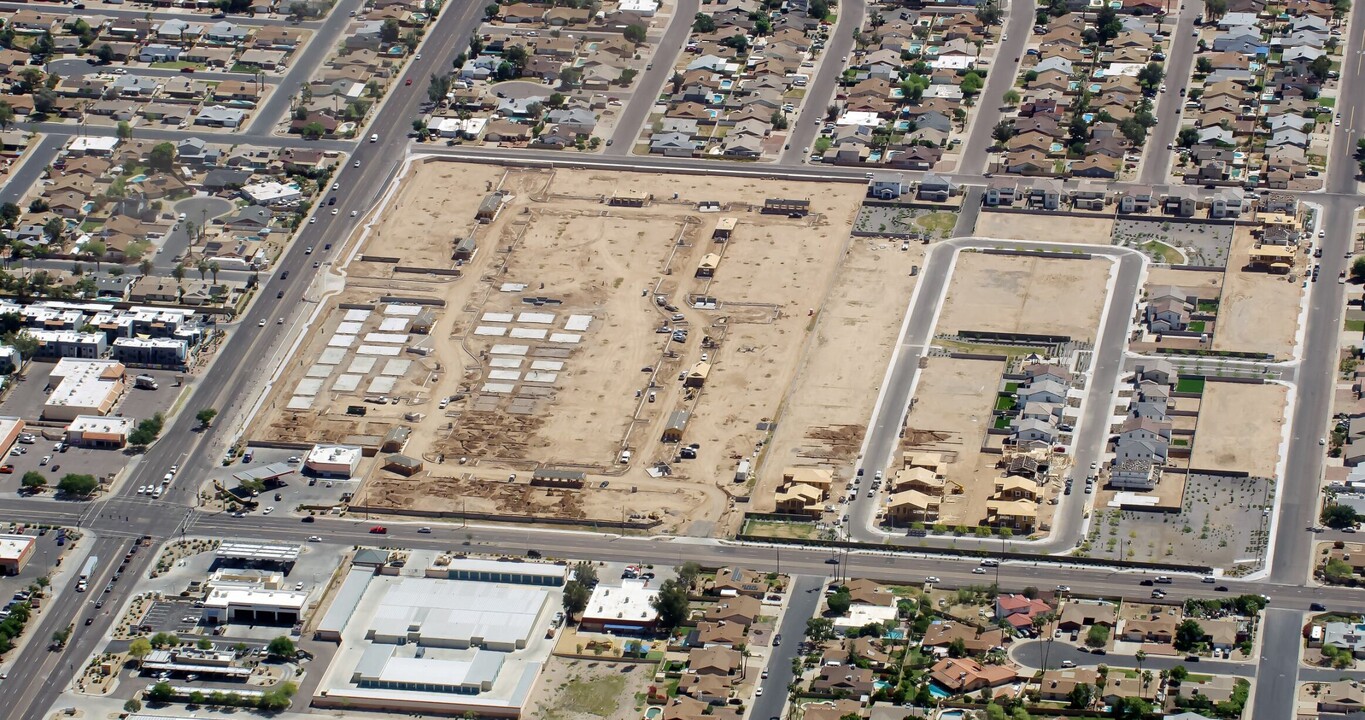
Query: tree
<point x="703" y="23"/>
<point x="1203" y="65"/>
<point x="913" y="87"/>
<point x="439" y="87"/>
<point x="1131" y="708"/>
<point x="204" y="644"/>
<point x="312" y="131"/>
<point x="586" y="573"/>
<point x="145" y="267"/>
<point x="281" y="647"/>
<point x="995" y="712"/>
<point x="1108" y="24"/>
<point x="576" y="596"/>
<point x="203" y="265"/>
<point x="670" y="603"/>
<point x="840" y="601"/>
<point x="971" y="84"/>
<point x="1177" y="674"/>
<point x="738" y="41"/>
<point x="687" y="574"/>
<point x="133" y="705"/>
<point x="214" y="268"/>
<point x="490" y="11"/>
<point x="1151" y="75"/>
<point x="1011" y="97"/>
<point x="205" y="417"/>
<point x="957" y="648"/>
<point x="1188" y="634"/>
<point x="1081" y="696"/>
<point x="1333" y="515"/>
<point x="818" y="9"/>
<point x="105" y="53"/>
<point x="1097" y="636"/>
<point x="125" y="130"/>
<point x="1320" y="67"/>
<point x="160" y="692"/>
<point x="1336" y="570"/>
<point x="278" y="698"/>
<point x="54" y="228"/>
<point x="819" y="629"/>
<point x="162" y="157"/>
<point x="1214" y="9"/>
<point x="635" y="33"/>
<point x="1187" y="137"/>
<point x="389" y="31"/>
<point x="78" y="485"/>
<point x="989" y="12"/>
<point x="33" y="481"/>
<point x="1003" y="131"/>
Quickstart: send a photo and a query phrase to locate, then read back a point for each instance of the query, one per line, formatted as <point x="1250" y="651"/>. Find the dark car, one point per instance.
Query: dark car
<point x="332" y="200"/>
<point x="89" y="620"/>
<point x="532" y="553"/>
<point x="1221" y="588"/>
<point x="284" y="275"/>
<point x="1317" y="606"/>
<point x="1146" y="583"/>
<point x="832" y="561"/>
<point x="186" y="69"/>
<point x="308" y="519"/>
<point x="279" y="295"/>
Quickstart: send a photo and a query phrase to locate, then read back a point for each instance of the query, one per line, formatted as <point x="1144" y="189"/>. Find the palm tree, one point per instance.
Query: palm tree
<point x="178" y="272"/>
<point x="202" y="267"/>
<point x="213" y="270"/>
<point x="145" y="266"/>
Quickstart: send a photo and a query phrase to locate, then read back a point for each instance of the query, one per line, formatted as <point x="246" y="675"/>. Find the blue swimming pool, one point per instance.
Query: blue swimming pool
<point x="938" y="691"/>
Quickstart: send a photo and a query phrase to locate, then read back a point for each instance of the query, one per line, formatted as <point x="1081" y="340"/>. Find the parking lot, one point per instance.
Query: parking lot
<point x="43" y="562"/>
<point x="297" y="490"/>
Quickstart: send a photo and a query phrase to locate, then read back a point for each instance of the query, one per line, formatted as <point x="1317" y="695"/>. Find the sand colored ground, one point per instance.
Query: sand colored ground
<point x="1259" y="312"/>
<point x="951" y="414"/>
<point x="1208" y="284"/>
<point x="1048" y="228"/>
<point x="558" y="237"/>
<point x="1239" y="428"/>
<point x="826" y="412"/>
<point x="571" y="689"/>
<point x="1023" y="294"/>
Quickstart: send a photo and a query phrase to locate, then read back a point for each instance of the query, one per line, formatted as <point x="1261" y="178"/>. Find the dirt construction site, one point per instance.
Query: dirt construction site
<point x="533" y="348"/>
<point x="1023" y="294"/>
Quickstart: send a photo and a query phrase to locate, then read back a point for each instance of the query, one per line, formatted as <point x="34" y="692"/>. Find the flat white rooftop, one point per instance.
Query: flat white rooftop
<point x="457" y="614"/>
<point x="13" y="546"/>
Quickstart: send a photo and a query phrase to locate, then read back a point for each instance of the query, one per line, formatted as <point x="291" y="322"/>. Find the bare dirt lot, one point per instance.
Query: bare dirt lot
<point x="1020" y="226"/>
<point x="951" y="414"/>
<point x="1022" y="294"/>
<point x="502" y="385"/>
<point x="571" y="689"/>
<point x="826" y="412"/>
<point x="1239" y="428"/>
<point x="1259" y="311"/>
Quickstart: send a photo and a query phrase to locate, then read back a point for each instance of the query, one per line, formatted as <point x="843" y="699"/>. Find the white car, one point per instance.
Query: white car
<point x="260" y="324"/>
<point x="336" y="186"/>
<point x="931" y="580"/>
<point x="356" y="164"/>
<point x="268" y="510"/>
<point x="314" y="538"/>
<point x="355" y="213"/>
<point x="312" y="220"/>
<point x="334" y="211"/>
<point x="978" y="571"/>
<point x="141" y="489"/>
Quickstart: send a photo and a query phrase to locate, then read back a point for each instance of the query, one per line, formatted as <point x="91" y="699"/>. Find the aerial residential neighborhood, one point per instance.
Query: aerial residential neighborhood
<point x="682" y="359"/>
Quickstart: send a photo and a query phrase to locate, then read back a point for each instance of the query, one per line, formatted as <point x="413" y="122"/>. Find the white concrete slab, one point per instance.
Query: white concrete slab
<point x="396" y="368"/>
<point x="362" y="365"/>
<point x="504" y="374"/>
<point x="496" y="317"/>
<point x="331" y="356"/>
<point x="389" y="350"/>
<point x="505" y="362"/>
<point x="381" y="386"/>
<point x="490" y="330"/>
<point x="394" y="325"/>
<point x="300" y="402"/>
<point x="540" y="376"/>
<point x="386" y="338"/>
<point x="350" y="328"/>
<point x="536" y="318"/>
<point x="357" y="315"/>
<point x="498" y="388"/>
<point x="511" y="287"/>
<point x="547" y="365"/>
<point x="529" y="333"/>
<point x="510" y="349"/>
<point x="319" y="371"/>
<point x="308" y="387"/>
<point x="347" y="383"/>
<point x="578" y="323"/>
<point x="341" y="341"/>
<point x="567" y="338"/>
<point x="404" y="310"/>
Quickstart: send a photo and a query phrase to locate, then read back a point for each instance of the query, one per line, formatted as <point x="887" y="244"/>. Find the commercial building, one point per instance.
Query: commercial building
<point x="94" y="431"/>
<point x="10" y="430"/>
<point x="500" y="571"/>
<point x="628" y="608"/>
<point x="333" y="460"/>
<point x="254" y="605"/>
<point x="15" y="550"/>
<point x="84" y="387"/>
<point x="438" y="646"/>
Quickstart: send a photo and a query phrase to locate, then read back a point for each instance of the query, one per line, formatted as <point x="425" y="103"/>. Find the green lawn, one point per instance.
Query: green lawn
<point x="1355" y="325"/>
<point x="1011" y="387"/>
<point x="939" y="222"/>
<point x="178" y="64"/>
<point x="1002" y="423"/>
<point x="1004" y="402"/>
<point x="1327" y="102"/>
<point x="1163" y="252"/>
<point x="1190" y="385"/>
<point x="1197" y="326"/>
<point x="1208" y="306"/>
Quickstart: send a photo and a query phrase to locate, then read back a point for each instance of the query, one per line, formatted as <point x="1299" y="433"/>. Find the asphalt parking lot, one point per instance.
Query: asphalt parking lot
<point x="298" y="489"/>
<point x="170" y="616"/>
<point x="42" y="563"/>
<point x="86" y="461"/>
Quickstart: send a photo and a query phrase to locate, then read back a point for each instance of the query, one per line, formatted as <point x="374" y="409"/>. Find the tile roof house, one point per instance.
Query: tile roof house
<point x="964" y="675"/>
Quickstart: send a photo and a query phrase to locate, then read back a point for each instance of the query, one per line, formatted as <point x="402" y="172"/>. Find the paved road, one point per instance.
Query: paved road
<point x="1179" y="58"/>
<point x="804" y="597"/>
<point x="200" y="209"/>
<point x="917" y="335"/>
<point x="302" y="66"/>
<point x="820" y="89"/>
<point x="35" y="162"/>
<point x="103" y="10"/>
<point x="1047" y="654"/>
<point x="1017" y="25"/>
<point x="650" y="84"/>
<point x="78" y="67"/>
